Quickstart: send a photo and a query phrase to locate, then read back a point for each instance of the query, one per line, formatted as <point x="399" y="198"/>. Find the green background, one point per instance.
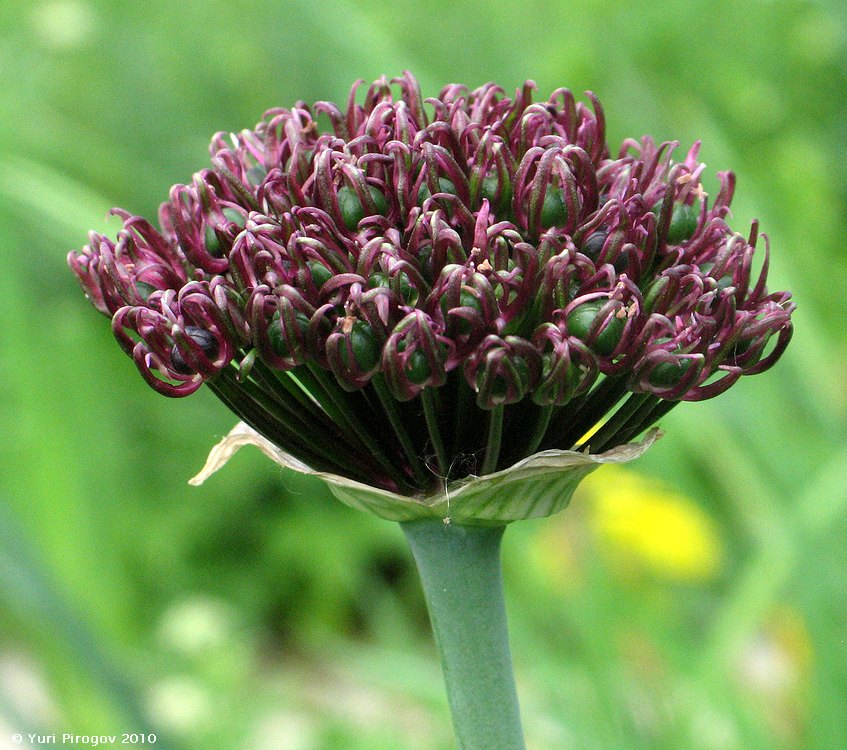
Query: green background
<point x="257" y="613"/>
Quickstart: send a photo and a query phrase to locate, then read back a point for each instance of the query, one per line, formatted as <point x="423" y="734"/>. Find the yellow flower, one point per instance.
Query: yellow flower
<point x="646" y="526"/>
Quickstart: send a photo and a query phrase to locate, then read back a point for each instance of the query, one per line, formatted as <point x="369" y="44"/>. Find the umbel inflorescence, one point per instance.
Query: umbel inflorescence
<point x="409" y="291"/>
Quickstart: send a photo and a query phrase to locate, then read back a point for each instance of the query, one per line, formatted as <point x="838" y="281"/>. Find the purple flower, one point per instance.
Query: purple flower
<point x="431" y="289"/>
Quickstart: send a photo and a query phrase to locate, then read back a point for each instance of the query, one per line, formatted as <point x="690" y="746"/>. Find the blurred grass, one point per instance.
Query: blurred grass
<point x="256" y="612"/>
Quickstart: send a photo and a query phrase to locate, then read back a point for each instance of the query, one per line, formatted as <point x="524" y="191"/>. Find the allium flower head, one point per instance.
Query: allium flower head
<point x="407" y="292"/>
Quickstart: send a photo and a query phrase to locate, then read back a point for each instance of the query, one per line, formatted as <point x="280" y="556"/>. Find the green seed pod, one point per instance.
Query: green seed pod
<point x="668" y="374"/>
<point x="444" y="186"/>
<point x="210" y="236"/>
<point x="213" y="244"/>
<point x="417" y="367"/>
<point x="466" y="299"/>
<point x="377" y="278"/>
<point x="683" y="222"/>
<point x="559" y="381"/>
<point x="144" y="289"/>
<point x="554" y="210"/>
<point x="654" y="291"/>
<point x="400" y="283"/>
<point x="203" y="338"/>
<point x="507" y="385"/>
<point x="276" y="337"/>
<point x="256" y="174"/>
<point x="592" y="246"/>
<point x="235" y="216"/>
<point x="352" y="210"/>
<point x="746" y="352"/>
<point x="320" y="273"/>
<point x="488" y="191"/>
<point x="404" y="286"/>
<point x="723" y="282"/>
<point x="366" y="348"/>
<point x="582" y="317"/>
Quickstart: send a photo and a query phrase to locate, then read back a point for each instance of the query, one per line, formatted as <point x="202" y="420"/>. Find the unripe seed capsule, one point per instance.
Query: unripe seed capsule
<point x="213" y="244"/>
<point x="320" y="273"/>
<point x="144" y="289"/>
<point x="365" y="346"/>
<point x="235" y="216"/>
<point x="203" y="338"/>
<point x="276" y="336"/>
<point x="683" y="222"/>
<point x="489" y="192"/>
<point x="593" y="244"/>
<point x="210" y="236"/>
<point x="466" y="299"/>
<point x="554" y="211"/>
<point x="582" y="317"/>
<point x="351" y="208"/>
<point x="444" y="186"/>
<point x="723" y="282"/>
<point x="512" y="381"/>
<point x="668" y="374"/>
<point x="417" y="367"/>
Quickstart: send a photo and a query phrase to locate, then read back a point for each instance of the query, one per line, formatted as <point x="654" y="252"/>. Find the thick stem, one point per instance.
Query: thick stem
<point x="460" y="571"/>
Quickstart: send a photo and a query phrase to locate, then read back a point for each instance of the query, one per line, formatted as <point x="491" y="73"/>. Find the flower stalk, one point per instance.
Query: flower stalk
<point x="460" y="572"/>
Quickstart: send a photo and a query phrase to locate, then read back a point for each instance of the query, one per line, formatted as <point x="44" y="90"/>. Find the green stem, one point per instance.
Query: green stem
<point x="575" y="420"/>
<point x="460" y="571"/>
<point x="599" y="441"/>
<point x="641" y="421"/>
<point x="342" y="404"/>
<point x="431" y="414"/>
<point x="274" y="378"/>
<point x="464" y="411"/>
<point x="390" y="406"/>
<point x="324" y="432"/>
<point x="540" y="430"/>
<point x="264" y="423"/>
<point x="492" y="445"/>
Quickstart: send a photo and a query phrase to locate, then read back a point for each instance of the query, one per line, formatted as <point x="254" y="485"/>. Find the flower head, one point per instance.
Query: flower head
<point x="405" y="292"/>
